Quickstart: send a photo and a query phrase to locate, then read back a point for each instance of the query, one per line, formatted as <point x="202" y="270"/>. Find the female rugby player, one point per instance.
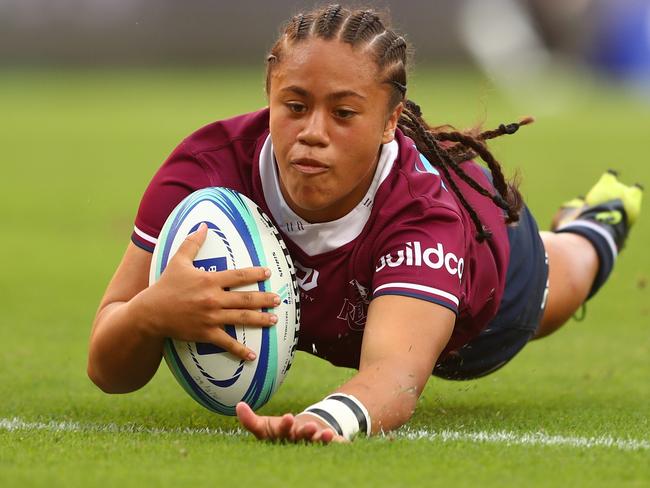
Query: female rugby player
<point x="413" y="259"/>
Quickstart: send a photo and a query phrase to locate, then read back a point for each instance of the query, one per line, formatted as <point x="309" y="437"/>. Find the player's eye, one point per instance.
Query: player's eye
<point x="343" y="113"/>
<point x="296" y="107"/>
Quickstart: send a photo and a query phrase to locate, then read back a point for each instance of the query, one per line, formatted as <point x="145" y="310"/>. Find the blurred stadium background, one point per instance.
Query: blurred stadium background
<point x="513" y="41"/>
<point x="611" y="33"/>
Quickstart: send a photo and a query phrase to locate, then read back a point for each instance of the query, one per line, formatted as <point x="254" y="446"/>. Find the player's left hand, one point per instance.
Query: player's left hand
<point x="287" y="427"/>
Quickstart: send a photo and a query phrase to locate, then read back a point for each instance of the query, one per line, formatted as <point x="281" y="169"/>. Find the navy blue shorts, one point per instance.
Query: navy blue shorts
<point x="519" y="314"/>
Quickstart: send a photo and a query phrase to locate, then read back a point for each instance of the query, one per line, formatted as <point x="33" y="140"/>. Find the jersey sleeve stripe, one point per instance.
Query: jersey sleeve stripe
<point x="420" y="296"/>
<point x="141" y="243"/>
<point x="421" y="288"/>
<point x="144" y="236"/>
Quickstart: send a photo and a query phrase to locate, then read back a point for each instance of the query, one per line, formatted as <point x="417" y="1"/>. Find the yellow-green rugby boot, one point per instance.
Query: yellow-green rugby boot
<point x="609" y="206"/>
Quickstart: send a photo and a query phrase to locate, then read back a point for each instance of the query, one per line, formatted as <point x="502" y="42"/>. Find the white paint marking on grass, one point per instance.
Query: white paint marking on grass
<point x="527" y="439"/>
<point x="16" y="424"/>
<point x="495" y="437"/>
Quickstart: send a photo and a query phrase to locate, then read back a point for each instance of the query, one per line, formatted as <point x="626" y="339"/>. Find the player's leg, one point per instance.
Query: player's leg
<point x="520" y="310"/>
<point x="572" y="268"/>
<point x="580" y="252"/>
<point x="588" y="235"/>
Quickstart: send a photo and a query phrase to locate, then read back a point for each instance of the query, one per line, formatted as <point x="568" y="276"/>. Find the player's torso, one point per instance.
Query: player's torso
<point x="335" y="292"/>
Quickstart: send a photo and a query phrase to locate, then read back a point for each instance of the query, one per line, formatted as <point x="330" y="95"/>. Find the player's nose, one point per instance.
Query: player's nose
<point x="314" y="132"/>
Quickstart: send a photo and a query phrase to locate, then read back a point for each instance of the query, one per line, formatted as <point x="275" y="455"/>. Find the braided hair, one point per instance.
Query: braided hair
<point x="447" y="149"/>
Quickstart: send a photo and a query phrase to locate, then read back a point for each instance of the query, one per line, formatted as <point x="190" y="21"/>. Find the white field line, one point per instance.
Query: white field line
<point x="488" y="437"/>
<point x="16" y="424"/>
<point x="526" y="439"/>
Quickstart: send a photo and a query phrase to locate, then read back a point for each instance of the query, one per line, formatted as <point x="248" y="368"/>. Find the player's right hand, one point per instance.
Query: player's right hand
<point x="193" y="305"/>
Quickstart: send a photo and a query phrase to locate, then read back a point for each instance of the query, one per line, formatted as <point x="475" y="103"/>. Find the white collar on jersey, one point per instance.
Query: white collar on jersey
<point x="319" y="238"/>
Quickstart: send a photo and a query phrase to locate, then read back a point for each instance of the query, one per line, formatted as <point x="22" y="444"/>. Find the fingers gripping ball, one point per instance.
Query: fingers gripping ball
<point x="239" y="236"/>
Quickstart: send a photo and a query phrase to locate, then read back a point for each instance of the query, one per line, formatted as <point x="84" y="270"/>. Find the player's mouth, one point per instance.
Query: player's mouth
<point x="308" y="166"/>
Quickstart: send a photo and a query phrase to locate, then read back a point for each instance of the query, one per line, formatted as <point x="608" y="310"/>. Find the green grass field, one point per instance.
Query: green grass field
<point x="78" y="149"/>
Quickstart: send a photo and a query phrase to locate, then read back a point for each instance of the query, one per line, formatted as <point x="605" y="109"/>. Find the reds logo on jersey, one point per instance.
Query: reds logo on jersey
<point x="355" y="311"/>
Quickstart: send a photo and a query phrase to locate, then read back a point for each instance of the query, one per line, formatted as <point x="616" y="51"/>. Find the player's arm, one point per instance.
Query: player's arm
<point x="133" y="319"/>
<point x="122" y="356"/>
<point x="402" y="341"/>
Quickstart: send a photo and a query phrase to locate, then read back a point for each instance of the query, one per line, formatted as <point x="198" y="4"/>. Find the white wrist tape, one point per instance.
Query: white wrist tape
<point x="344" y="413"/>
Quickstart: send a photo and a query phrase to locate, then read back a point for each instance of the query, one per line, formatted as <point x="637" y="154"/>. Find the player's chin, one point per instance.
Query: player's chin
<point x="311" y="198"/>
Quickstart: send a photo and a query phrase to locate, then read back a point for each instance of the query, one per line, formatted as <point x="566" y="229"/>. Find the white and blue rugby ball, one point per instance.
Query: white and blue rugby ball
<point x="239" y="235"/>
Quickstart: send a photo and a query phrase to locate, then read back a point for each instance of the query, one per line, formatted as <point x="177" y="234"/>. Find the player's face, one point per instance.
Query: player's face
<point x="329" y="117"/>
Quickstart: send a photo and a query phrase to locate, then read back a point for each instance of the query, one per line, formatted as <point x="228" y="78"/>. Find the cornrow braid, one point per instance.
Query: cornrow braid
<point x="329" y="21"/>
<point x="400" y="87"/>
<point x="361" y="26"/>
<point x="351" y="27"/>
<point x="395" y="51"/>
<point x="302" y="24"/>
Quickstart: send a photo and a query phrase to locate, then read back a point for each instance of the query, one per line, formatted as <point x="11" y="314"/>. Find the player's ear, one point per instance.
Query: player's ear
<point x="391" y="124"/>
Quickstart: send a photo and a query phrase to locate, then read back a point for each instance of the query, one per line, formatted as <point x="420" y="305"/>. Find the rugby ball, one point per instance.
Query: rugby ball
<point x="239" y="235"/>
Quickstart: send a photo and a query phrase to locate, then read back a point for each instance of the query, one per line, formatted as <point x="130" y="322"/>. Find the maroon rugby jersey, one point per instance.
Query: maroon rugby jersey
<point x="408" y="236"/>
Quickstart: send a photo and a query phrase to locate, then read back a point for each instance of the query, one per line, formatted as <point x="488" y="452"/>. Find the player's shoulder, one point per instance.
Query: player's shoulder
<point x="245" y="128"/>
<point x="416" y="184"/>
<point x="424" y="184"/>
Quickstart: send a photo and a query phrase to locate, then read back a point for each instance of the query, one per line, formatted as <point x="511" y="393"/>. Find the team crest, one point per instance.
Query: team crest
<point x="355" y="311"/>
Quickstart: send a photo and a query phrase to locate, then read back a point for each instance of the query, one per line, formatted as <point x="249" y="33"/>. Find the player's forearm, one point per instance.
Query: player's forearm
<point x="388" y="392"/>
<point x="123" y="356"/>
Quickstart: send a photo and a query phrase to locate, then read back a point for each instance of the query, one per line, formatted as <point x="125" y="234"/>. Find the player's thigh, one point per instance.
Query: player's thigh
<point x="520" y="310"/>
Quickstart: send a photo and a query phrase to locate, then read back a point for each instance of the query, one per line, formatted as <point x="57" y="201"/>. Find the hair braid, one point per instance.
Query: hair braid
<point x="460" y="154"/>
<point x="301" y="25"/>
<point x="395" y="51"/>
<point x="366" y="19"/>
<point x="504" y="129"/>
<point x="442" y="160"/>
<point x="329" y="21"/>
<point x="479" y="148"/>
<point x="507" y="193"/>
<point x="414" y="108"/>
<point x="360" y="26"/>
<point x="407" y="128"/>
<point x="508" y="197"/>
